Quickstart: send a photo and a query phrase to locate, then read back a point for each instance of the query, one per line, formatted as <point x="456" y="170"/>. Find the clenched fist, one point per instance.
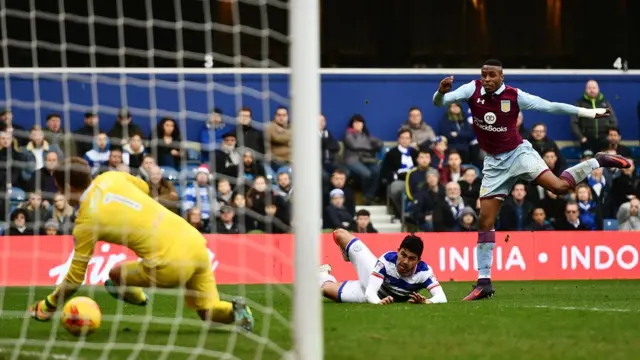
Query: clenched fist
<point x="446" y="84"/>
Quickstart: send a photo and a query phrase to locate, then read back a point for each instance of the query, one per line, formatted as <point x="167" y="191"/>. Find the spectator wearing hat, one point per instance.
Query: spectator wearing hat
<point x="51" y="227"/>
<point x="200" y="193"/>
<point x="335" y="214"/>
<point x="439" y="153"/>
<point x="226" y="223"/>
<point x="124" y="128"/>
<point x="227" y="159"/>
<point x="211" y="134"/>
<point x="84" y="136"/>
<point x="55" y="135"/>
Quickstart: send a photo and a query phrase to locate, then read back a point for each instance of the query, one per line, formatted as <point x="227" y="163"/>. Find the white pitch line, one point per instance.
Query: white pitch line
<point x="575" y="308"/>
<point x="37" y="354"/>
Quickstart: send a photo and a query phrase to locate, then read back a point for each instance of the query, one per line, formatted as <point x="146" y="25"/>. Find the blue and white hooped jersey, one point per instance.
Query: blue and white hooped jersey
<point x="400" y="287"/>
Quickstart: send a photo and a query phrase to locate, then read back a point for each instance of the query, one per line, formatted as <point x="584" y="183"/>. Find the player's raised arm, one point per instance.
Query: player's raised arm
<point x="527" y="101"/>
<point x="443" y="97"/>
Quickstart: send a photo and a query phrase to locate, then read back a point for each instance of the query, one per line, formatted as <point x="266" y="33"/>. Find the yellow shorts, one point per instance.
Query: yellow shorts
<point x="194" y="274"/>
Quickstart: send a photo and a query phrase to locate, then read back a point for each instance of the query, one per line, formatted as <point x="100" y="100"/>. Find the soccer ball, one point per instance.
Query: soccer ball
<point x="81" y="316"/>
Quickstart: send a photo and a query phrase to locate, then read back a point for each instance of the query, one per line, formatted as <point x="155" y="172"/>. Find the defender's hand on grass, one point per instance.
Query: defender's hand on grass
<point x="417" y="298"/>
<point x="386" y="301"/>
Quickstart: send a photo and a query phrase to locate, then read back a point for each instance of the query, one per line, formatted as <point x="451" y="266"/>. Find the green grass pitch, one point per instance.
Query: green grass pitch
<point x="526" y="320"/>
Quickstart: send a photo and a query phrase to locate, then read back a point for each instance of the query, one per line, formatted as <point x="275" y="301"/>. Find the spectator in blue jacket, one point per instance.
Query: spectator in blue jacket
<point x="590" y="212"/>
<point x="457" y="130"/>
<point x="211" y="134"/>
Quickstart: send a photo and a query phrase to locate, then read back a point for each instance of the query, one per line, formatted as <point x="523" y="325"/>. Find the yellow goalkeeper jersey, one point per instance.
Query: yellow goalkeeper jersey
<point x="117" y="208"/>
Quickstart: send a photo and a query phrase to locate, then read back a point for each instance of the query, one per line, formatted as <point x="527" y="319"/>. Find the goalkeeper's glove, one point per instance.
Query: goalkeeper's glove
<point x="42" y="310"/>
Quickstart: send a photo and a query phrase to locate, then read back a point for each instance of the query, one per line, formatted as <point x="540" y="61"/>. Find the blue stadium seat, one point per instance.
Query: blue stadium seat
<point x="193" y="156"/>
<point x="189" y="172"/>
<point x="17" y="195"/>
<point x="572" y="162"/>
<point x="169" y="173"/>
<point x="383" y="152"/>
<point x="635" y="152"/>
<point x="571" y="152"/>
<point x="4" y="227"/>
<point x="610" y="224"/>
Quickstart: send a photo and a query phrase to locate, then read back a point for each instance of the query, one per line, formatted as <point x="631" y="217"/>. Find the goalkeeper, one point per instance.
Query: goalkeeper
<point x="115" y="207"/>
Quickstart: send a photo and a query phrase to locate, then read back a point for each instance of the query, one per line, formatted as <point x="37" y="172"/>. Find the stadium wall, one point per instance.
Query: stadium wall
<point x="382" y="96"/>
<point x="257" y="259"/>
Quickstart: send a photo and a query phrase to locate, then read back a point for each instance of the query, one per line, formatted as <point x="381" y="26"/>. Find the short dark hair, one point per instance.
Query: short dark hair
<point x="548" y="150"/>
<point x="217" y="111"/>
<point x="89" y="114"/>
<point x="424" y="151"/>
<point x="74" y="171"/>
<point x="405" y="130"/>
<point x="52" y="115"/>
<point x="454" y="151"/>
<point x="414" y="108"/>
<point x="613" y="128"/>
<point x="363" y="212"/>
<point x="469" y="168"/>
<point x="493" y="62"/>
<point x="246" y="108"/>
<point x="414" y="244"/>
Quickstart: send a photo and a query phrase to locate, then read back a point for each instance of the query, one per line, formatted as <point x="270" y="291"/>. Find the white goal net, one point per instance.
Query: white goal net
<point x="182" y="94"/>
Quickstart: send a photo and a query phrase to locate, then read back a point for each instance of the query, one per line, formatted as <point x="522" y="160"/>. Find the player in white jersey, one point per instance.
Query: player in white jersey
<point x="396" y="276"/>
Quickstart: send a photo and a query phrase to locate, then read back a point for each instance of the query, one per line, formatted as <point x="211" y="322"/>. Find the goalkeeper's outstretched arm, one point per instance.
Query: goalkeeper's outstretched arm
<point x="83" y="251"/>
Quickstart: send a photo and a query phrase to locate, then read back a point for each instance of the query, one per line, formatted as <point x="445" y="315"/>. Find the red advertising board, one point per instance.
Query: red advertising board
<point x="256" y="259"/>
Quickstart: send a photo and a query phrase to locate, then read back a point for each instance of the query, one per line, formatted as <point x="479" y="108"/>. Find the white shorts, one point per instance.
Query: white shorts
<point x="502" y="171"/>
<point x="364" y="262"/>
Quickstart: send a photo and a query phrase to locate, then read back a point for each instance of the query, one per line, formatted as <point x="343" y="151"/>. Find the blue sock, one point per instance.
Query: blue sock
<point x="484" y="253"/>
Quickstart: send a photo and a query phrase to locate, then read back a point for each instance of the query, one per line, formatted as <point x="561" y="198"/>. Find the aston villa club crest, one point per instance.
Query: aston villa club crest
<point x="505" y="106"/>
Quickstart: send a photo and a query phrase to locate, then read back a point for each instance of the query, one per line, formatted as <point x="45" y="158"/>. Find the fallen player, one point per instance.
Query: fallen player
<point x="396" y="276"/>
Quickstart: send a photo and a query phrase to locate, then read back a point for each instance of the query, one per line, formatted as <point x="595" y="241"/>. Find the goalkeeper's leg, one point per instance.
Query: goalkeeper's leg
<point x="126" y="282"/>
<point x="202" y="295"/>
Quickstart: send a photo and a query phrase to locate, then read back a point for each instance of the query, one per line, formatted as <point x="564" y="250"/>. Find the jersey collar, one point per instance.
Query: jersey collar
<point x="86" y="193"/>
<point x="497" y="92"/>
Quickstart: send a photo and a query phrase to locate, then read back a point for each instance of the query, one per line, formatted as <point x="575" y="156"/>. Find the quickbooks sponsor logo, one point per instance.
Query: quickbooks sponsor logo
<point x="491" y="128"/>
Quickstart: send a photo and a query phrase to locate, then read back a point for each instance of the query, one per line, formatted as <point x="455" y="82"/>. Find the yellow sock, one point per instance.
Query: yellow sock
<point x="134" y="295"/>
<point x="221" y="312"/>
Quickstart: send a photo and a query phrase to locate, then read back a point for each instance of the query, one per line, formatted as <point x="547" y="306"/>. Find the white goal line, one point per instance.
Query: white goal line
<point x="324" y="71"/>
<point x="578" y="308"/>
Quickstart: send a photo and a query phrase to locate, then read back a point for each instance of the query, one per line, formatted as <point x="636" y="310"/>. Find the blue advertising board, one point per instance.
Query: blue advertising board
<point x="381" y="96"/>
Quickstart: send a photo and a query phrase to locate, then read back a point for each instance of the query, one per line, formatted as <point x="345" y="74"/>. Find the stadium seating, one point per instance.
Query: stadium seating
<point x="571" y="152"/>
<point x="635" y="152"/>
<point x="610" y="224"/>
<point x="169" y="173"/>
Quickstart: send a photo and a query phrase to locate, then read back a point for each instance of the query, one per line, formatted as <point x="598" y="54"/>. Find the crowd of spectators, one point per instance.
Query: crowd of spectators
<point x="241" y="181"/>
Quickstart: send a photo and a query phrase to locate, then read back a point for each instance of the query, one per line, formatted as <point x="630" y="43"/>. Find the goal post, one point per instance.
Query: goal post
<point x="44" y="75"/>
<point x="305" y="106"/>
